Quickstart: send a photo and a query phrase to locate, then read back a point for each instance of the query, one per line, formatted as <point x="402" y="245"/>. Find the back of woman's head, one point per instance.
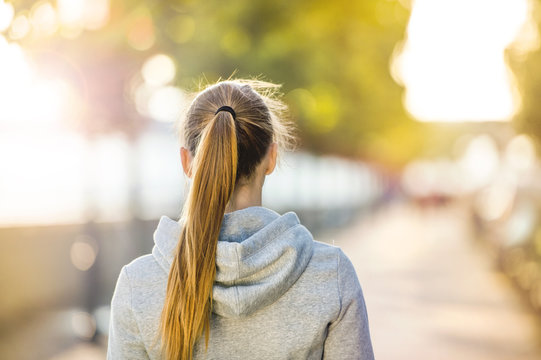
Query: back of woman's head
<point x="228" y="130"/>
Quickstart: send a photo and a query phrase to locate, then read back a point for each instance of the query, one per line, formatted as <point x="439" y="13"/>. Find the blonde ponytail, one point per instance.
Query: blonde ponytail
<point x="192" y="273"/>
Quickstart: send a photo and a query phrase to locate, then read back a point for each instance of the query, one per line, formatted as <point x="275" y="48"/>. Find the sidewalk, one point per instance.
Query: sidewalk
<point x="432" y="292"/>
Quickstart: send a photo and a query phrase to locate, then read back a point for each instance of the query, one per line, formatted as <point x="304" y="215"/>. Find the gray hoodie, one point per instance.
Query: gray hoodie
<point x="278" y="294"/>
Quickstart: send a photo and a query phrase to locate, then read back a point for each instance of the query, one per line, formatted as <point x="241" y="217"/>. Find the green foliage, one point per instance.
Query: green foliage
<point x="332" y="58"/>
<point x="528" y="73"/>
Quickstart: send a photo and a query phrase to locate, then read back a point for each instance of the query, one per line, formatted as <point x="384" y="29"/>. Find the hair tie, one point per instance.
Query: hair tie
<point x="228" y="109"/>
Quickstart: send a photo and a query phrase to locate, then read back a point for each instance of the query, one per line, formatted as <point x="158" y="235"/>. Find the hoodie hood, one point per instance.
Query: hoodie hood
<point x="260" y="255"/>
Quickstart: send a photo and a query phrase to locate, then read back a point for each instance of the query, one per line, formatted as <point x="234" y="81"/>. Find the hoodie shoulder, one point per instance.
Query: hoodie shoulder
<point x="326" y="251"/>
<point x="334" y="257"/>
<point x="145" y="270"/>
<point x="147" y="283"/>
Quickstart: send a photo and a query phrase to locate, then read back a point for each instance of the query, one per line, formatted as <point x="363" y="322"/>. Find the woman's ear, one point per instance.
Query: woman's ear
<point x="271" y="162"/>
<point x="186" y="159"/>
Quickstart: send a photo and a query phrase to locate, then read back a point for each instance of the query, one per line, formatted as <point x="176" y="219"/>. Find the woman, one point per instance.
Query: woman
<point x="254" y="282"/>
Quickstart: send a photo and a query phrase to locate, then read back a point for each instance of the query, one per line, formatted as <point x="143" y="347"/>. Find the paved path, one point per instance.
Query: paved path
<point x="432" y="292"/>
<point x="83" y="351"/>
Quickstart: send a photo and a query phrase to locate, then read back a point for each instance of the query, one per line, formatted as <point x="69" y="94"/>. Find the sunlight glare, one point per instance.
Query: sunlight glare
<point x="16" y="75"/>
<point x="6" y="15"/>
<point x="91" y="14"/>
<point x="43" y="177"/>
<point x="452" y="63"/>
<point x="22" y="86"/>
<point x="96" y="14"/>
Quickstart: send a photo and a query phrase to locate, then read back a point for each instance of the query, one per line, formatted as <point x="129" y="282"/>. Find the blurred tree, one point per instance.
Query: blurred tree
<point x="527" y="67"/>
<point x="332" y="57"/>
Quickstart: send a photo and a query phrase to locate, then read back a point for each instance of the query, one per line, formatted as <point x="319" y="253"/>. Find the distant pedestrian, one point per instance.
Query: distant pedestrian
<point x="232" y="279"/>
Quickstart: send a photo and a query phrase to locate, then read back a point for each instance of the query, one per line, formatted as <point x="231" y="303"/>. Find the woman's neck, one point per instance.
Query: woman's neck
<point x="243" y="197"/>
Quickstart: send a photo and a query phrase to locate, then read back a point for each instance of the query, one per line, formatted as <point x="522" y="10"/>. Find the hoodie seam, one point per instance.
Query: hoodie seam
<point x="269" y="242"/>
<point x="338" y="287"/>
<point x="252" y="314"/>
<point x="298" y="277"/>
<point x="238" y="275"/>
<point x="338" y="278"/>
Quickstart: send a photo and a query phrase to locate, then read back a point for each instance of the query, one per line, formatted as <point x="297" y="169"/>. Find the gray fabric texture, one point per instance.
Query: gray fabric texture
<point x="278" y="294"/>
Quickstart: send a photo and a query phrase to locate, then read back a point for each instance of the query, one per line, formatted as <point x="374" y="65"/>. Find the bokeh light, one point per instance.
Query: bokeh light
<point x="20" y="27"/>
<point x="521" y="223"/>
<point x="96" y="14"/>
<point x="495" y="200"/>
<point x="166" y="104"/>
<point x="140" y="33"/>
<point x="83" y="324"/>
<point x="71" y="12"/>
<point x="44" y="19"/>
<point x="480" y="161"/>
<point x="83" y="253"/>
<point x="520" y="153"/>
<point x="158" y="70"/>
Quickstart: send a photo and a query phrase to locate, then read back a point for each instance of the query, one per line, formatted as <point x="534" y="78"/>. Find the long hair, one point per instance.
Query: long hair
<point x="225" y="151"/>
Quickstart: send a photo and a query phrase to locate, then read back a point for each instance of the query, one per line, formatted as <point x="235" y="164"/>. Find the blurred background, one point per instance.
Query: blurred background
<point x="419" y="124"/>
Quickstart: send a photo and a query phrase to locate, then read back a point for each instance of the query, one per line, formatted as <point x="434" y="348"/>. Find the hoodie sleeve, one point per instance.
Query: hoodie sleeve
<point x="348" y="336"/>
<point x="124" y="337"/>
